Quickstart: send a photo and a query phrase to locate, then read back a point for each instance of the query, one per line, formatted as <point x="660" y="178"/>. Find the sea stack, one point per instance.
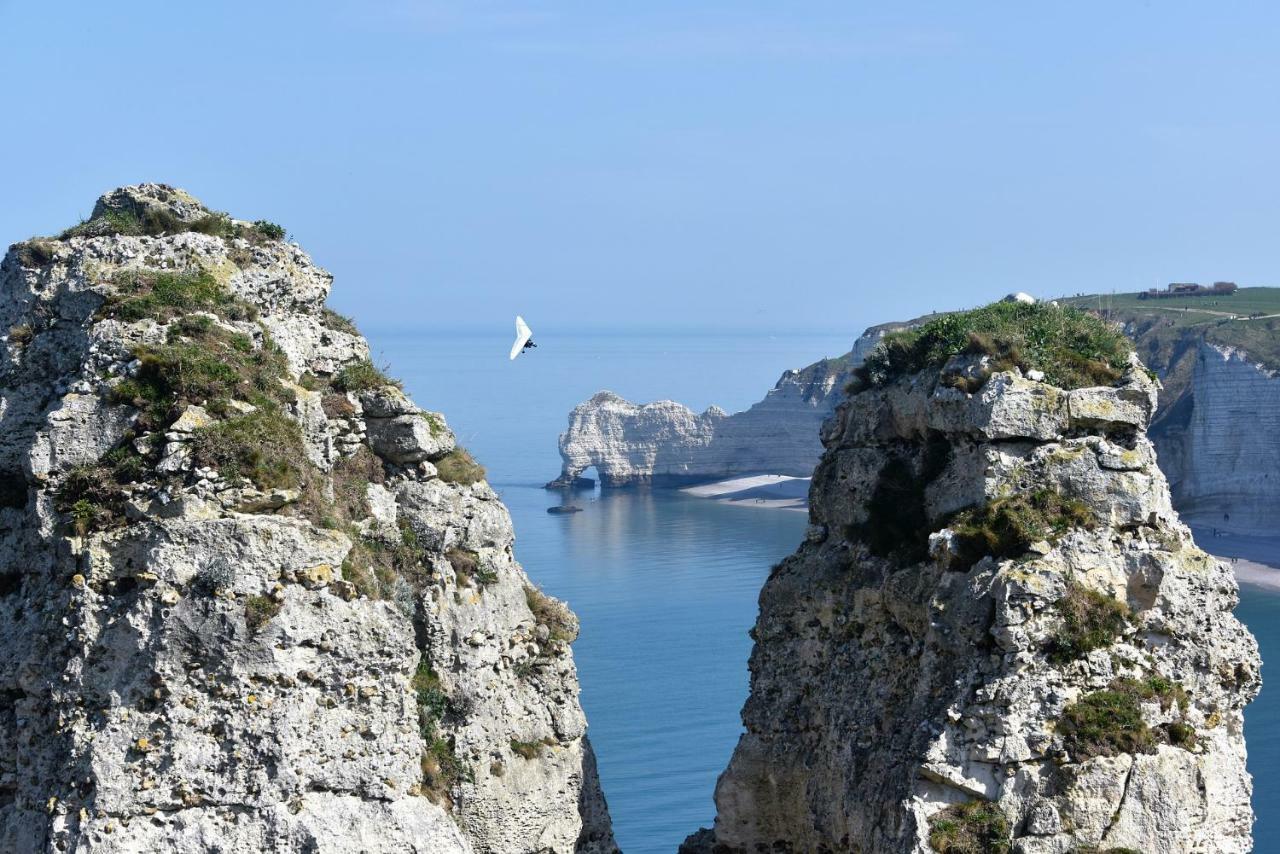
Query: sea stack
<point x="997" y="636"/>
<point x="252" y="597"/>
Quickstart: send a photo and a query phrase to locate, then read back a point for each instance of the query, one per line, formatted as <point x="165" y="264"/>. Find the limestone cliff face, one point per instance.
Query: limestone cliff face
<point x="919" y="671"/>
<point x="668" y="444"/>
<point x="1216" y="441"/>
<point x="253" y="598"/>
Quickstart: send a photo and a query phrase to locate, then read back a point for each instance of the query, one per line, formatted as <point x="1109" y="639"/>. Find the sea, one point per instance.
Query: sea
<point x="666" y="585"/>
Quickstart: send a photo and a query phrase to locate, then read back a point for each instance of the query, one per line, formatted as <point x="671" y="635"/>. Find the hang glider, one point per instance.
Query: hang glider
<point x="524" y="338"/>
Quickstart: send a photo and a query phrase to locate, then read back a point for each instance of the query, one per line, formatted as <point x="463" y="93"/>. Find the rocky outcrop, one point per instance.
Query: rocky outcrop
<point x="251" y="596"/>
<point x="667" y="444"/>
<point x="997" y="629"/>
<point x="1215" y="441"/>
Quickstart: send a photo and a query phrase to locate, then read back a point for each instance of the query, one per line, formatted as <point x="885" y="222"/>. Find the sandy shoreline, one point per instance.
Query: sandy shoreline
<point x="1255" y="559"/>
<point x="768" y="491"/>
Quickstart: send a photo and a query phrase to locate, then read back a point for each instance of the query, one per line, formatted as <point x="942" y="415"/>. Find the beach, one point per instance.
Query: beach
<point x="770" y="491"/>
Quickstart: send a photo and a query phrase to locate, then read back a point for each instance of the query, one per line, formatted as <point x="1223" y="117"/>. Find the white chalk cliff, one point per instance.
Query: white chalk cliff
<point x="667" y="444"/>
<point x="1217" y="442"/>
<point x="927" y="688"/>
<point x="252" y="598"/>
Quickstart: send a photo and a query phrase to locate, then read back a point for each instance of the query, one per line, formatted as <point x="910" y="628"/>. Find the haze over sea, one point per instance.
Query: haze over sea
<point x="666" y="585"/>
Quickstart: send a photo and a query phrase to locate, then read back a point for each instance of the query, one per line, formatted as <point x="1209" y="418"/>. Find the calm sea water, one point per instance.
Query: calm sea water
<point x="666" y="585"/>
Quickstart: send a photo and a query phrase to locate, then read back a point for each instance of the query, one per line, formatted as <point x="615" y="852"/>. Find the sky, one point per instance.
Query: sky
<point x="763" y="166"/>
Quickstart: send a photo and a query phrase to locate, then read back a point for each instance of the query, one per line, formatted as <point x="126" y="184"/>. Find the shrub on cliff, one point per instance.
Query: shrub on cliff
<point x="265" y="446"/>
<point x="361" y="376"/>
<point x="1073" y="348"/>
<point x="156" y="221"/>
<point x="1110" y="722"/>
<point x="200" y="362"/>
<point x="1007" y="527"/>
<point x="976" y="827"/>
<point x="1090" y="620"/>
<point x="35" y="253"/>
<point x="459" y="467"/>
<point x="162" y="295"/>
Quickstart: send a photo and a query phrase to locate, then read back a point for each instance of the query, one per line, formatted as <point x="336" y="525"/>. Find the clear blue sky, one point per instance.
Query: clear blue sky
<point x="776" y="166"/>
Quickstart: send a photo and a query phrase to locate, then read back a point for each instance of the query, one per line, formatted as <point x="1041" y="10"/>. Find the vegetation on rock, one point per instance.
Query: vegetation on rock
<point x="459" y="467"/>
<point x="553" y="614"/>
<point x="162" y="295"/>
<point x="1007" y="527"/>
<point x="157" y="221"/>
<point x="1110" y="722"/>
<point x="338" y="322"/>
<point x="258" y="610"/>
<point x="265" y="445"/>
<point x="1090" y="620"/>
<point x="35" y="253"/>
<point x="440" y="766"/>
<point x="1074" y="349"/>
<point x="466" y="565"/>
<point x="362" y="376"/>
<point x="976" y="827"/>
<point x="21" y="334"/>
<point x="527" y="749"/>
<point x="92" y="495"/>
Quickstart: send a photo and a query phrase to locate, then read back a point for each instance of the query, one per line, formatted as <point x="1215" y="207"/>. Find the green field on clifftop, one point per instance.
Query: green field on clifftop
<point x="1164" y="329"/>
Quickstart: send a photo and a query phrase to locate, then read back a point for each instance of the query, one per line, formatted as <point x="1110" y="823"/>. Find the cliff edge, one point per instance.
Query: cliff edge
<point x="997" y="636"/>
<point x="252" y="597"/>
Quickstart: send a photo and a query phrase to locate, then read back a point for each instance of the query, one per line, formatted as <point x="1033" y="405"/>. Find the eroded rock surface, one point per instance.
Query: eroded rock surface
<point x="918" y="668"/>
<point x="241" y="609"/>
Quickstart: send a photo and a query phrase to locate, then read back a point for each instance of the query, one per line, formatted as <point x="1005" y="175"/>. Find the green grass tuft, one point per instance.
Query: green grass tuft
<point x="163" y="295"/>
<point x="338" y="322"/>
<point x="1073" y="348"/>
<point x="553" y="614"/>
<point x="1006" y="527"/>
<point x="265" y="446"/>
<point x="459" y="467"/>
<point x="93" y="497"/>
<point x="157" y="222"/>
<point x="528" y="749"/>
<point x="976" y="827"/>
<point x="35" y="253"/>
<point x="201" y="362"/>
<point x="1110" y="722"/>
<point x="258" y="610"/>
<point x="1090" y="620"/>
<point x="361" y="376"/>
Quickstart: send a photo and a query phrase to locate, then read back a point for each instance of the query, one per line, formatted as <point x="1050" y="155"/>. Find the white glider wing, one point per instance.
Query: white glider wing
<point x="523" y="334"/>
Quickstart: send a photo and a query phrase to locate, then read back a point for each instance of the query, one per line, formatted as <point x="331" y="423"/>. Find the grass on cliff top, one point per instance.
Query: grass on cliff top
<point x="156" y="222"/>
<point x="976" y="827"/>
<point x="1073" y="348"/>
<point x="1160" y="327"/>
